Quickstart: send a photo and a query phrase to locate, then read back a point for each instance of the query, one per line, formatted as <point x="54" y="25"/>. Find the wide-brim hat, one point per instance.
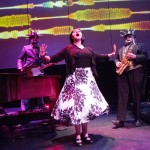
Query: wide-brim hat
<point x="127" y="33"/>
<point x="33" y="34"/>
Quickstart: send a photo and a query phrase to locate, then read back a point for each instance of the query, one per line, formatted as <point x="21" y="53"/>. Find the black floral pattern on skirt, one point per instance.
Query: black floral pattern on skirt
<point x="80" y="99"/>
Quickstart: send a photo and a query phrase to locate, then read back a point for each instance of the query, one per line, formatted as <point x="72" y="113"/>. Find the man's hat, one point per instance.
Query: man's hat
<point x="33" y="33"/>
<point x="128" y="32"/>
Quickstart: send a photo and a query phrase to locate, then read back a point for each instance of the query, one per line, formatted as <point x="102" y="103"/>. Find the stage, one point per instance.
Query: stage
<point x="36" y="135"/>
<point x="36" y="131"/>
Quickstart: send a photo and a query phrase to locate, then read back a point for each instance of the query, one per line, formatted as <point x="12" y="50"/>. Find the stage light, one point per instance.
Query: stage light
<point x="47" y="106"/>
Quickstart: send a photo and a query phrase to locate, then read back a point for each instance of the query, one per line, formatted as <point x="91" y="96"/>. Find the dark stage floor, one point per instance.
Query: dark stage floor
<point x="35" y="136"/>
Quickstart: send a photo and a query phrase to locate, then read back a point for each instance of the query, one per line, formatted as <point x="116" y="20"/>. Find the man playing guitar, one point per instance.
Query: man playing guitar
<point x="27" y="61"/>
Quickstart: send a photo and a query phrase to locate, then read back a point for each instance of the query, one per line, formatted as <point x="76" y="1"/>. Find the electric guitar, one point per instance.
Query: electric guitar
<point x="36" y="70"/>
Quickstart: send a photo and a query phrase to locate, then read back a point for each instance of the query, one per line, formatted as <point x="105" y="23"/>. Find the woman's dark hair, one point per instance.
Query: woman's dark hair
<point x="71" y="39"/>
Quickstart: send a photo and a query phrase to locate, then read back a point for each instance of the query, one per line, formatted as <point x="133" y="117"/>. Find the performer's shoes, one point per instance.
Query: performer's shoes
<point x="138" y="123"/>
<point x="86" y="138"/>
<point x="118" y="124"/>
<point x="78" y="141"/>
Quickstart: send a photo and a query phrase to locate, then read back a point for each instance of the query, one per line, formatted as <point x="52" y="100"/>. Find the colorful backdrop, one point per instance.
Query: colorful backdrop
<point x="100" y="20"/>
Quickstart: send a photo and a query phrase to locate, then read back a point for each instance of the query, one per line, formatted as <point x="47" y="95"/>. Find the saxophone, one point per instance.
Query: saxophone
<point x="125" y="62"/>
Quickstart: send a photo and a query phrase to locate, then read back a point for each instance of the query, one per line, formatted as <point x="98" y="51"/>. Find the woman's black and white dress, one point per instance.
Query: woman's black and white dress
<point x="80" y="99"/>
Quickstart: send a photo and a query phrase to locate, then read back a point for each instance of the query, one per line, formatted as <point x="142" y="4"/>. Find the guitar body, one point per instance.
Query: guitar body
<point x="33" y="71"/>
<point x="37" y="70"/>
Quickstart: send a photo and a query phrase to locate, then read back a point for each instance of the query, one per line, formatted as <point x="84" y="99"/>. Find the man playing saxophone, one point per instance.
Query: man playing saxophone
<point x="131" y="68"/>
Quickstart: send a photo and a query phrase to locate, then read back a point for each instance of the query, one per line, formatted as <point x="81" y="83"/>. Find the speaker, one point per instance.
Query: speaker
<point x="2" y="112"/>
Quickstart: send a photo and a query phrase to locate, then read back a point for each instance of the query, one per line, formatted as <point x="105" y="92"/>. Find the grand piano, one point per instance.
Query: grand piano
<point x="15" y="86"/>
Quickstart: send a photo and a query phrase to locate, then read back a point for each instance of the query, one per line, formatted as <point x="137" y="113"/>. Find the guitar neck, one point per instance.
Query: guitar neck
<point x="47" y="65"/>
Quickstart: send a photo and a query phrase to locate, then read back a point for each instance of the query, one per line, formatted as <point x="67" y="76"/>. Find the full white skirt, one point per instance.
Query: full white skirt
<point x="80" y="99"/>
